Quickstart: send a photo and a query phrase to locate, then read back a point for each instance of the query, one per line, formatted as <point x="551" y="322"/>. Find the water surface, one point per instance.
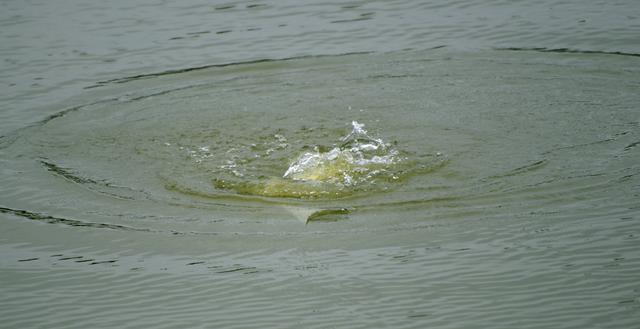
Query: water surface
<point x="478" y="165"/>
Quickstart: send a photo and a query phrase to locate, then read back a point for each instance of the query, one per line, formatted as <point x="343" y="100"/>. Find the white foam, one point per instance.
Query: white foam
<point x="359" y="151"/>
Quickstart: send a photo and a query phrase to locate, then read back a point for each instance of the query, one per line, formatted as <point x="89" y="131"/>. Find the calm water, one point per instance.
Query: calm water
<point x="150" y="157"/>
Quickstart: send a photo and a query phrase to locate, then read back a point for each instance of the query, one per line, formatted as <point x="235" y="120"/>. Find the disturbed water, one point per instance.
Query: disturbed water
<point x="322" y="165"/>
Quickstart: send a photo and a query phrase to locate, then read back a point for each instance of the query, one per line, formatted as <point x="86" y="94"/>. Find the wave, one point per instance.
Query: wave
<point x="568" y="51"/>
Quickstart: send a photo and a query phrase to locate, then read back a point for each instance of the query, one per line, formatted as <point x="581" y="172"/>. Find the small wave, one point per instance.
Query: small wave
<point x="569" y="51"/>
<point x="66" y="221"/>
<point x="210" y="66"/>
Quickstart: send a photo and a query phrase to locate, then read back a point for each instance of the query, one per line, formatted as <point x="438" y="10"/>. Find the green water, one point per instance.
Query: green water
<point x="492" y="185"/>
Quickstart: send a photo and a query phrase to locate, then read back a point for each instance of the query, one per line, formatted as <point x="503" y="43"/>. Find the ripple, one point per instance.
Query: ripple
<point x="111" y="217"/>
<point x="201" y="143"/>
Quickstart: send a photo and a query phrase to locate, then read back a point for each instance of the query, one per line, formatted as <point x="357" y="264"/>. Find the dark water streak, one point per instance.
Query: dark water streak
<point x="70" y="222"/>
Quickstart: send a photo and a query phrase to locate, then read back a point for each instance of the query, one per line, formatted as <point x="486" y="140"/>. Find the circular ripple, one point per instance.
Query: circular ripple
<point x="206" y="151"/>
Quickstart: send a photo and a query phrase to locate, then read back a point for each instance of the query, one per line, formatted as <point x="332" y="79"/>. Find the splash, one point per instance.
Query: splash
<point x="359" y="158"/>
<point x="357" y="162"/>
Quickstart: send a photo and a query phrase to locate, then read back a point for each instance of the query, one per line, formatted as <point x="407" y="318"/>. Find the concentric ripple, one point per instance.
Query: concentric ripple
<point x="422" y="136"/>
